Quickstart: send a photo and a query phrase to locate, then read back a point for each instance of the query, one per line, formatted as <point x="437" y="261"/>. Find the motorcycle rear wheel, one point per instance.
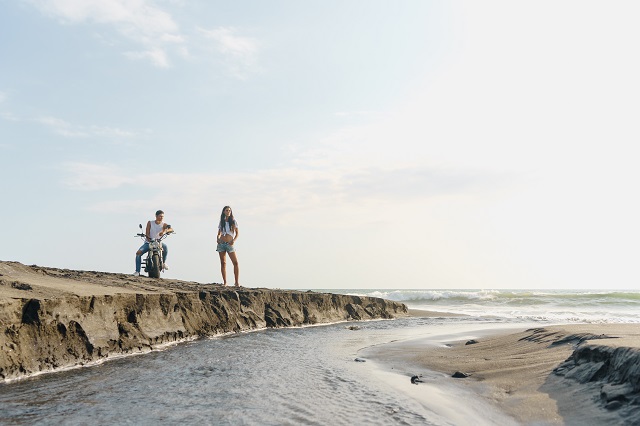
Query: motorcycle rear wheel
<point x="154" y="271"/>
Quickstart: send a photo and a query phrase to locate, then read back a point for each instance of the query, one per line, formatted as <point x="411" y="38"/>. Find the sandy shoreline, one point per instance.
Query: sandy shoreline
<point x="547" y="375"/>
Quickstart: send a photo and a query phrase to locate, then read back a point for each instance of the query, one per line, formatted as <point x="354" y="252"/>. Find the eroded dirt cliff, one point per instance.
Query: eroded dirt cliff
<point x="52" y="318"/>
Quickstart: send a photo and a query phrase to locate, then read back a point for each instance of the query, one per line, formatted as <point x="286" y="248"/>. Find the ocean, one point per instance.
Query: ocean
<point x="295" y="376"/>
<point x="553" y="306"/>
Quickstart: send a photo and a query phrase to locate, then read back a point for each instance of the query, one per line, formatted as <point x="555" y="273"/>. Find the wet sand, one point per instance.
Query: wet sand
<point x="545" y="375"/>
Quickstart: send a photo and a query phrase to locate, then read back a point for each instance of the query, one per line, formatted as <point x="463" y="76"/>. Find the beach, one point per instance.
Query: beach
<point x="531" y="358"/>
<point x="534" y="375"/>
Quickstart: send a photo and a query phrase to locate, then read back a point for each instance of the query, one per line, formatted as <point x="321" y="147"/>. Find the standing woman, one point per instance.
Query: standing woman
<point x="227" y="235"/>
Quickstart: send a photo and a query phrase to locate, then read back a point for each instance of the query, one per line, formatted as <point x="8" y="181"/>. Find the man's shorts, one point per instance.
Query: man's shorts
<point x="225" y="247"/>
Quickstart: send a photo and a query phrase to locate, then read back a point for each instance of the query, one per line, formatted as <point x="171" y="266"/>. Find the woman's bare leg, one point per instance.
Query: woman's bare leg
<point x="236" y="267"/>
<point x="223" y="266"/>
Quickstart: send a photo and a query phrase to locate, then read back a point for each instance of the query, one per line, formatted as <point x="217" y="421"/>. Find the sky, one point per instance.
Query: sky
<point x="361" y="144"/>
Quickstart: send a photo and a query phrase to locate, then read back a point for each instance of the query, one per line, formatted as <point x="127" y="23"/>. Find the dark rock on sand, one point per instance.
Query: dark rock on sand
<point x="416" y="379"/>
<point x="360" y="360"/>
<point x="613" y="405"/>
<point x="610" y="393"/>
<point x="556" y="338"/>
<point x="607" y="364"/>
<point x="460" y="375"/>
<point x="578" y="338"/>
<point x="471" y="342"/>
<point x="615" y="370"/>
<point x="21" y="286"/>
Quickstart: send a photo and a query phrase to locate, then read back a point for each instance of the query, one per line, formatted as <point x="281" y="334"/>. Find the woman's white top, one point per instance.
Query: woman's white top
<point x="227" y="228"/>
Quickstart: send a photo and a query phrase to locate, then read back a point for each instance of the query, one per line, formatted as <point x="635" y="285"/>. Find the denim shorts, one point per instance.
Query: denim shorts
<point x="229" y="248"/>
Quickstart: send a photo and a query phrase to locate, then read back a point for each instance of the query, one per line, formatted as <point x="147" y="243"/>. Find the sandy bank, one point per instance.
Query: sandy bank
<point x="52" y="318"/>
<point x="421" y="313"/>
<point x="569" y="374"/>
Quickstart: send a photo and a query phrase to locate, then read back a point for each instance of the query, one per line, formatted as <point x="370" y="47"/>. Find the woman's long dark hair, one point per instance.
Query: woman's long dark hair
<point x="232" y="221"/>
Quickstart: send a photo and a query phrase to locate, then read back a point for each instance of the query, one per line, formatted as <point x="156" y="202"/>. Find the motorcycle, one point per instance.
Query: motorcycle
<point x="153" y="264"/>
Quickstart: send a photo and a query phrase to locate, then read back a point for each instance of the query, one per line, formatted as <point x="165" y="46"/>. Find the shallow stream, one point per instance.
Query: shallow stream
<point x="275" y="376"/>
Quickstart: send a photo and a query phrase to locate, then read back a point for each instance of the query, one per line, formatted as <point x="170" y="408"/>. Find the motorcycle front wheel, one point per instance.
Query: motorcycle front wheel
<point x="154" y="271"/>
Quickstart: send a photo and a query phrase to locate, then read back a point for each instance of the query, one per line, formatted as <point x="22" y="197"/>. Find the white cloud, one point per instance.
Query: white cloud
<point x="70" y="130"/>
<point x="240" y="51"/>
<point x="9" y="116"/>
<point x="173" y="38"/>
<point x="157" y="56"/>
<point x="155" y="34"/>
<point x="62" y="127"/>
<point x="358" y="114"/>
<point x="291" y="195"/>
<point x="137" y="20"/>
<point x="6" y="115"/>
<point x="92" y="177"/>
<point x="230" y="43"/>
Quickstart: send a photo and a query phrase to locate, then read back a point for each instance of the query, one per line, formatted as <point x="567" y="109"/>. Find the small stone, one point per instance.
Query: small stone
<point x="21" y="286"/>
<point x="613" y="405"/>
<point x="360" y="360"/>
<point x="460" y="375"/>
<point x="471" y="342"/>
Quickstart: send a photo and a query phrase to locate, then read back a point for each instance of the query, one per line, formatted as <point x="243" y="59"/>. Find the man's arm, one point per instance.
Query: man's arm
<point x="166" y="229"/>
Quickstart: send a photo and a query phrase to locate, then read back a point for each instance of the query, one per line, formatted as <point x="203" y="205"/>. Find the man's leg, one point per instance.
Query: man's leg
<point x="165" y="252"/>
<point x="142" y="250"/>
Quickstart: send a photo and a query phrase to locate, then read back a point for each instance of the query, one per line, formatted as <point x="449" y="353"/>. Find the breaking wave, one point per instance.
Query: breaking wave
<point x="547" y="305"/>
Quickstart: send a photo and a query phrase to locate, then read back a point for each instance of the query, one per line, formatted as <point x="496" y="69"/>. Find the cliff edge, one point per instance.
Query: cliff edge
<point x="53" y="318"/>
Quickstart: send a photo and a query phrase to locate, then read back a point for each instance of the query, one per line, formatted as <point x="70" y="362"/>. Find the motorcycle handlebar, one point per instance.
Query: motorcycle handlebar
<point x="161" y="238"/>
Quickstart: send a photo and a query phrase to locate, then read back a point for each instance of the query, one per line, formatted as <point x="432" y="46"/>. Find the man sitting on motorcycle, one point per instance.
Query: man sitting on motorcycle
<point x="155" y="229"/>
